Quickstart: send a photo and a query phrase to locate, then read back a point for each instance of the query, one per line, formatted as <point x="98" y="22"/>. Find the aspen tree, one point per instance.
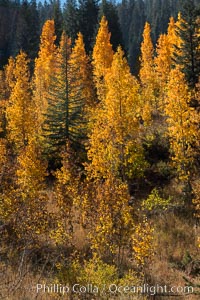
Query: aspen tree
<point x="113" y="225"/>
<point x="163" y="64"/>
<point x="182" y="120"/>
<point x="9" y="73"/>
<point x="67" y="197"/>
<point x="3" y="103"/>
<point x="147" y="75"/>
<point x="29" y="197"/>
<point x="163" y="59"/>
<point x="20" y="109"/>
<point x="114" y="144"/>
<point x="174" y="39"/>
<point x="102" y="57"/>
<point x="3" y="157"/>
<point x="115" y="154"/>
<point x="142" y="241"/>
<point x="196" y="181"/>
<point x="147" y="54"/>
<point x="24" y="203"/>
<point x="44" y="68"/>
<point x="82" y="87"/>
<point x="81" y="70"/>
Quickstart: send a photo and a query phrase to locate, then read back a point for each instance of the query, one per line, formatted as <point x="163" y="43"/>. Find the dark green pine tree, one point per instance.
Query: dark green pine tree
<point x="6" y="30"/>
<point x="109" y="10"/>
<point x="27" y="29"/>
<point x="135" y="34"/>
<point x="45" y="12"/>
<point x="189" y="29"/>
<point x="63" y="120"/>
<point x="57" y="125"/>
<point x="88" y="21"/>
<point x="34" y="30"/>
<point x="70" y="19"/>
<point x="125" y="9"/>
<point x="58" y="20"/>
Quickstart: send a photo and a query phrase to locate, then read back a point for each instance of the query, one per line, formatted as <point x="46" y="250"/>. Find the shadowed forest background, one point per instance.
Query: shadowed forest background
<point x="99" y="146"/>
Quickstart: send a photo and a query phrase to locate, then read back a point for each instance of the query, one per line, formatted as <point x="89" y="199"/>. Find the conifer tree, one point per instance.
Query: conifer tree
<point x="70" y="19"/>
<point x="56" y="126"/>
<point x="88" y="25"/>
<point x="70" y="91"/>
<point x="188" y="57"/>
<point x="58" y="20"/>
<point x="20" y="109"/>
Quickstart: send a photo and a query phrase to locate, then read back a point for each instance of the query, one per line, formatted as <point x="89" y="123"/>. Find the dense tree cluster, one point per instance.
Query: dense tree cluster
<point x="89" y="153"/>
<point x="22" y="21"/>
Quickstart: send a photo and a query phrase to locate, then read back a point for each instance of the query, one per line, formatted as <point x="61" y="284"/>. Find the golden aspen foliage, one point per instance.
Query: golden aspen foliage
<point x="196" y="181"/>
<point x="6" y="161"/>
<point x="173" y="38"/>
<point x="20" y="108"/>
<point x="97" y="271"/>
<point x="163" y="63"/>
<point x="24" y="204"/>
<point x="9" y="73"/>
<point x="182" y="120"/>
<point x="67" y="197"/>
<point x="29" y="198"/>
<point x="166" y="47"/>
<point x="146" y="59"/>
<point x="163" y="59"/>
<point x="114" y="141"/>
<point x="171" y="34"/>
<point x="142" y="241"/>
<point x="31" y="170"/>
<point x="196" y="203"/>
<point x="81" y="85"/>
<point x="80" y="67"/>
<point x="149" y="101"/>
<point x="112" y="223"/>
<point x="3" y="157"/>
<point x="44" y="68"/>
<point x="3" y="103"/>
<point x="102" y="57"/>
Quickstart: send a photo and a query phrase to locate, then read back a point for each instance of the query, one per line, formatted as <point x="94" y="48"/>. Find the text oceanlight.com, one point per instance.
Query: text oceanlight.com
<point x="113" y="289"/>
